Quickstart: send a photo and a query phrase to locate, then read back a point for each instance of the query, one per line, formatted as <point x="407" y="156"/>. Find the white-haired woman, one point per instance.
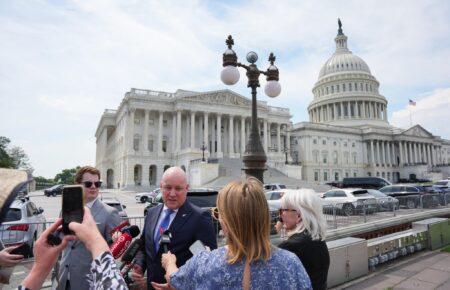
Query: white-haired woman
<point x="305" y="225"/>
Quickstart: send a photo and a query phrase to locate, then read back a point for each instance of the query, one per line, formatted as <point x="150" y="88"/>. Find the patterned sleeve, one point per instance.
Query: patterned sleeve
<point x="105" y="274"/>
<point x="185" y="277"/>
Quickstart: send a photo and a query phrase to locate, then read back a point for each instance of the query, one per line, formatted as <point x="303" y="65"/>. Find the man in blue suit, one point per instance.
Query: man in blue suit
<point x="186" y="222"/>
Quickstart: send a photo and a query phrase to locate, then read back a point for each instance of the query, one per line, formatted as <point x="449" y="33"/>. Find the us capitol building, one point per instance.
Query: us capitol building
<point x="348" y="134"/>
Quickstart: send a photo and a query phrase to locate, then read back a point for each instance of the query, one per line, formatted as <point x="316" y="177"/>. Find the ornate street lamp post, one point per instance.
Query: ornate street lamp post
<point x="203" y="148"/>
<point x="254" y="156"/>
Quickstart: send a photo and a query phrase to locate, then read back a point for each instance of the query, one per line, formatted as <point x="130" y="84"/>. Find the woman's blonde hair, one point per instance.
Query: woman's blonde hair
<point x="308" y="204"/>
<point x="244" y="211"/>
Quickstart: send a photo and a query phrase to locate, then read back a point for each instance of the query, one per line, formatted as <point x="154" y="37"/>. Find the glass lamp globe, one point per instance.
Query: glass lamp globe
<point x="229" y="75"/>
<point x="272" y="89"/>
<point x="252" y="57"/>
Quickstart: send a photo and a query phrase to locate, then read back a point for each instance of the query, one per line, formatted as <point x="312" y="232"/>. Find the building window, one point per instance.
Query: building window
<point x="335" y="157"/>
<point x="367" y="87"/>
<point x="346" y="174"/>
<point x="336" y="176"/>
<point x="355" y="174"/>
<point x="137" y="121"/>
<point x="164" y="145"/>
<point x="316" y="156"/>
<point x="324" y="142"/>
<point x="345" y="144"/>
<point x="334" y="143"/>
<point x="324" y="158"/>
<point x="151" y="121"/>
<point x="332" y="89"/>
<point x="350" y="87"/>
<point x="360" y="86"/>
<point x="325" y="175"/>
<point x="343" y="87"/>
<point x="356" y="86"/>
<point x="150" y="145"/>
<point x="327" y="90"/>
<point x="314" y="141"/>
<point x="136" y="142"/>
<point x="165" y="123"/>
<point x="337" y="88"/>
<point x="316" y="175"/>
<point x="354" y="158"/>
<point x="353" y="144"/>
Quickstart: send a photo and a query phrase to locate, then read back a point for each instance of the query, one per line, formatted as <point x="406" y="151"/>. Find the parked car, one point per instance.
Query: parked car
<point x="115" y="203"/>
<point x="384" y="202"/>
<point x="349" y="201"/>
<point x="143" y="197"/>
<point x="23" y="223"/>
<point x="274" y="186"/>
<point x="364" y="182"/>
<point x="442" y="183"/>
<point x="54" y="190"/>
<point x="411" y="195"/>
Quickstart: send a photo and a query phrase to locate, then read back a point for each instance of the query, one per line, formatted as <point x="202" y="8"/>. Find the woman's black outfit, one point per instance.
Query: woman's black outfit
<point x="313" y="255"/>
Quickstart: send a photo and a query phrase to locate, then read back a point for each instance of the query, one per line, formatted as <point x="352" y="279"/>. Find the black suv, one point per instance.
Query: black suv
<point x="411" y="195"/>
<point x="364" y="182"/>
<point x="54" y="190"/>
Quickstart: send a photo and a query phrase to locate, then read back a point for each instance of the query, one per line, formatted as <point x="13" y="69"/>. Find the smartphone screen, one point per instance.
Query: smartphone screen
<point x="197" y="247"/>
<point x="72" y="206"/>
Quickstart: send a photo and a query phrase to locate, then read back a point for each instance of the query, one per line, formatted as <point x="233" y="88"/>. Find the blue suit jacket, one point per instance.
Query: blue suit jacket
<point x="190" y="224"/>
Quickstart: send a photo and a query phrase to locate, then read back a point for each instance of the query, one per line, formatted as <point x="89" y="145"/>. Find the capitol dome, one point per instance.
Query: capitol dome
<point x="346" y="92"/>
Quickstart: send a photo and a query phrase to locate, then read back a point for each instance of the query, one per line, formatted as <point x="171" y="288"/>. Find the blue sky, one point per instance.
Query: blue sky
<point x="64" y="62"/>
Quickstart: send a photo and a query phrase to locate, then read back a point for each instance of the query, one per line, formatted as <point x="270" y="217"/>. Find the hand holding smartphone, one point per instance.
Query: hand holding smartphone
<point x="72" y="206"/>
<point x="197" y="247"/>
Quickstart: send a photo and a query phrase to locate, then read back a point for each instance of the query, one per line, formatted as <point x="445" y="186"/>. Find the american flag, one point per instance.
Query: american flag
<point x="412" y="103"/>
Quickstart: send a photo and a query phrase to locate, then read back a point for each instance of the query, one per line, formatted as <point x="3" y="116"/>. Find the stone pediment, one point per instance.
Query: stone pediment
<point x="222" y="98"/>
<point x="417" y="131"/>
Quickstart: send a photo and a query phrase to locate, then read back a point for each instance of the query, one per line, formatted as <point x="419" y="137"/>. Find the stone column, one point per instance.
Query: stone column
<point x="288" y="143"/>
<point x="378" y="153"/>
<point x="385" y="113"/>
<point x="269" y="135"/>
<point x="342" y="110"/>
<point x="174" y="132"/>
<point x="329" y="112"/>
<point x="349" y="111"/>
<point x="400" y="149"/>
<point x="206" y="130"/>
<point x="160" y="135"/>
<point x="131" y="129"/>
<point x="372" y="154"/>
<point x="410" y="156"/>
<point x="178" y="131"/>
<point x="357" y="109"/>
<point x="231" y="136"/>
<point x="145" y="135"/>
<point x="192" y="143"/>
<point x="388" y="149"/>
<point x="429" y="155"/>
<point x="383" y="160"/>
<point x="265" y="136"/>
<point x="242" y="136"/>
<point x="335" y="112"/>
<point x="219" y="136"/>
<point x="279" y="137"/>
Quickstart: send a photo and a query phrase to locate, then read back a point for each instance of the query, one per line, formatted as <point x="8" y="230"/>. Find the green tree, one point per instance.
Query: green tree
<point x="20" y="159"/>
<point x="67" y="176"/>
<point x="5" y="160"/>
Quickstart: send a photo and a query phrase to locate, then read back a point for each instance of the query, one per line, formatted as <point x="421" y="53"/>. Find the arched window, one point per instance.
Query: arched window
<point x="332" y="89"/>
<point x="343" y="87"/>
<point x="350" y="87"/>
<point x="337" y="88"/>
<point x="324" y="157"/>
<point x="367" y="87"/>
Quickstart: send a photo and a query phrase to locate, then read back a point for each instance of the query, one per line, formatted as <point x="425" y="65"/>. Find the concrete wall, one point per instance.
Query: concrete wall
<point x="202" y="173"/>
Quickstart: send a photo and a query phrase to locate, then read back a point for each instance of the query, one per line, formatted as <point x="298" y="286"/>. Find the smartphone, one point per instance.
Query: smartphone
<point x="72" y="206"/>
<point x="23" y="250"/>
<point x="197" y="247"/>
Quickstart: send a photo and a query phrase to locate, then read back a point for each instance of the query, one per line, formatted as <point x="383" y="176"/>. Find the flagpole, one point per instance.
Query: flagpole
<point x="410" y="118"/>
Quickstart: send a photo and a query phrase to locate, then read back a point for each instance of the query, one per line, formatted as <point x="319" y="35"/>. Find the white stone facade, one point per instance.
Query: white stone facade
<point x="151" y="131"/>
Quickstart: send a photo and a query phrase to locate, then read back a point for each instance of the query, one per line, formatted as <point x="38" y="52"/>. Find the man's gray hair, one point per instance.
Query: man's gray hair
<point x="174" y="170"/>
<point x="308" y="204"/>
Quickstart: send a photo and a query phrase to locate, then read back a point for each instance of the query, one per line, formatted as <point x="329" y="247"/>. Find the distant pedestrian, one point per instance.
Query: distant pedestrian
<point x="305" y="225"/>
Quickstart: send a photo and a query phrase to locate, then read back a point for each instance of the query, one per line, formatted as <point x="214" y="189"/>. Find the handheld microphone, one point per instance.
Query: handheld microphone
<point x="119" y="227"/>
<point x="128" y="256"/>
<point x="164" y="241"/>
<point x="124" y="241"/>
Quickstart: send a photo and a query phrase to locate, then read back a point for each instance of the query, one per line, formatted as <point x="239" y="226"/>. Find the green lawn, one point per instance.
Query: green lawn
<point x="446" y="249"/>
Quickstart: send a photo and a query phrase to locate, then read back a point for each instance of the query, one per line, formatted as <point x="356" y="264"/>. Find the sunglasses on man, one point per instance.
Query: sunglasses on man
<point x="88" y="184"/>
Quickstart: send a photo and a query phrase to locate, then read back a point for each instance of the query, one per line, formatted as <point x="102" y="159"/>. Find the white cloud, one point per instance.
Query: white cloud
<point x="431" y="112"/>
<point x="63" y="63"/>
